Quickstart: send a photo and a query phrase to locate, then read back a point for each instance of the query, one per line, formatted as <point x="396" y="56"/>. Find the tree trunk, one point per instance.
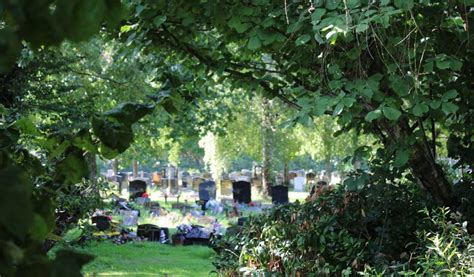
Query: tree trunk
<point x="267" y="143"/>
<point x="430" y="175"/>
<point x="135" y="168"/>
<point x="286" y="176"/>
<point x="115" y="166"/>
<point x="92" y="166"/>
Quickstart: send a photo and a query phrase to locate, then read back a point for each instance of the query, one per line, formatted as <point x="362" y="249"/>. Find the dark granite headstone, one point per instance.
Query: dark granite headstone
<point x="241" y="192"/>
<point x="101" y="222"/>
<point x="198" y="235"/>
<point x="241" y="221"/>
<point x="153" y="233"/>
<point x="207" y="191"/>
<point x="136" y="189"/>
<point x="280" y="195"/>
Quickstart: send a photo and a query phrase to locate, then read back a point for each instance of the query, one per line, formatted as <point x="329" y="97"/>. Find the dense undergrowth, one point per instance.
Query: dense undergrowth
<point x="378" y="230"/>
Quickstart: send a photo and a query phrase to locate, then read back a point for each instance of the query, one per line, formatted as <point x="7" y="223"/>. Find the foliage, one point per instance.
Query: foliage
<point x="378" y="67"/>
<point x="340" y="231"/>
<point x="445" y="248"/>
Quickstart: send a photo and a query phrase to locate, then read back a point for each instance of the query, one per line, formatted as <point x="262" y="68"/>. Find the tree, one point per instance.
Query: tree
<point x="378" y="67"/>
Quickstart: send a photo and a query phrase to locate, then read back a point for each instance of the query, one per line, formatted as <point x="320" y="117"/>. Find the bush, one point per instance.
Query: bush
<point x="342" y="232"/>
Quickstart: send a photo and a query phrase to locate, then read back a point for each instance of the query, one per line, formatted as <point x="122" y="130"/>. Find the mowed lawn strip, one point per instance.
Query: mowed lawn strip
<point x="148" y="259"/>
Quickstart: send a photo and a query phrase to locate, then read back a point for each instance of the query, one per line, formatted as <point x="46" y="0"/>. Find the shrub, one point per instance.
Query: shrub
<point x="338" y="232"/>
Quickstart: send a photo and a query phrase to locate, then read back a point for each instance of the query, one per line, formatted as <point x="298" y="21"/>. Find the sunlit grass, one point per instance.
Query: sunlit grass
<point x="148" y="259"/>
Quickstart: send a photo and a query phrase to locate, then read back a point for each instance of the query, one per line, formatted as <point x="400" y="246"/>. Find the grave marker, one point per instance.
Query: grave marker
<point x="280" y="195"/>
<point x="136" y="189"/>
<point x="242" y="192"/>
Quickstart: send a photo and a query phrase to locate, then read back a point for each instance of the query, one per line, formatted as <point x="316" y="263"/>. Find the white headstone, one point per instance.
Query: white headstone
<point x="109" y="173"/>
<point x="299" y="183"/>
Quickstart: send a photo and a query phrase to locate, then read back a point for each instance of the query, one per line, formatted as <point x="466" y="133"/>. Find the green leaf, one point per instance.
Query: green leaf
<point x="39" y="229"/>
<point x="405" y="5"/>
<point x="157" y="21"/>
<point x="449" y="108"/>
<point x="332" y="4"/>
<point x="302" y="39"/>
<point x="338" y="109"/>
<point x="72" y="168"/>
<point x="371" y="116"/>
<point x="15" y="201"/>
<point x="362" y="27"/>
<point x="254" y="43"/>
<point x="27" y="126"/>
<point x="401" y="158"/>
<point x="435" y="104"/>
<point x="450" y="94"/>
<point x="69" y="263"/>
<point x="419" y="109"/>
<point x="317" y="15"/>
<point x="399" y="85"/>
<point x="391" y="113"/>
<point x="114" y="128"/>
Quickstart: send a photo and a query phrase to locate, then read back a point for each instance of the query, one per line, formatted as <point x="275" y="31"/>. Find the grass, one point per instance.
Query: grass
<point x="148" y="259"/>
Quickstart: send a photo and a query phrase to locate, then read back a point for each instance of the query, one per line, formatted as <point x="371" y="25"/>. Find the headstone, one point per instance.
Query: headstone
<point x="136" y="189"/>
<point x="280" y="195"/>
<point x="241" y="221"/>
<point x="310" y="177"/>
<point x="292" y="175"/>
<point x="243" y="178"/>
<point x="233" y="176"/>
<point x="153" y="233"/>
<point x="226" y="187"/>
<point x="101" y="222"/>
<point x="242" y="192"/>
<point x="130" y="218"/>
<point x="156" y="178"/>
<point x="207" y="191"/>
<point x="299" y="183"/>
<point x="184" y="176"/>
<point x="197" y="235"/>
<point x="196" y="182"/>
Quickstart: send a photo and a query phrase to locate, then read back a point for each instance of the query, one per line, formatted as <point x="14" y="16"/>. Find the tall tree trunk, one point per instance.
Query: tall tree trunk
<point x="92" y="166"/>
<point x="286" y="176"/>
<point x="115" y="166"/>
<point x="267" y="143"/>
<point x="135" y="168"/>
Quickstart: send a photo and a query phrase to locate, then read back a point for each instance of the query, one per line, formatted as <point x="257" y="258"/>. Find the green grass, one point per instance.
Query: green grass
<point x="148" y="259"/>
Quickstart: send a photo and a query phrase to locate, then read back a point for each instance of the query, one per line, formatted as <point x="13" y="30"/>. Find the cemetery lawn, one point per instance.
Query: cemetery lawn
<point x="147" y="259"/>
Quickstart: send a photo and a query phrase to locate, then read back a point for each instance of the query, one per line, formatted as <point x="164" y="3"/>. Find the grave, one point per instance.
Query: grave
<point x="241" y="221"/>
<point x="101" y="222"/>
<point x="136" y="188"/>
<point x="198" y="235"/>
<point x="242" y="192"/>
<point x="185" y="177"/>
<point x="310" y="178"/>
<point x="207" y="191"/>
<point x="196" y="182"/>
<point x="226" y="187"/>
<point x="153" y="233"/>
<point x="130" y="218"/>
<point x="280" y="195"/>
<point x="156" y="178"/>
<point x="299" y="183"/>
